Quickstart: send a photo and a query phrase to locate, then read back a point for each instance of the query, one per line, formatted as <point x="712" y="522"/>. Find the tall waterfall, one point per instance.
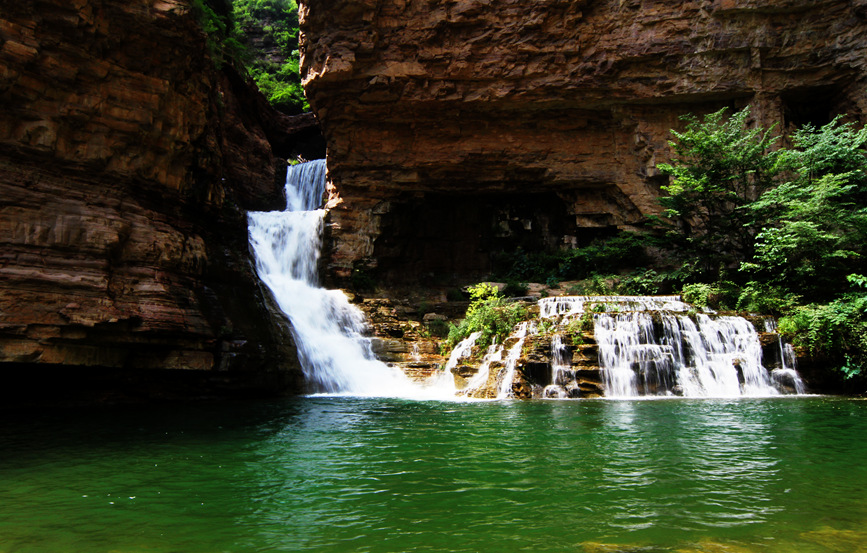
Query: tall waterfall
<point x="329" y="331"/>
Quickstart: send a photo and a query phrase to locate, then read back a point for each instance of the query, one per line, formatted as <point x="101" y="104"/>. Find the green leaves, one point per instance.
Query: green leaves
<point x="794" y="219"/>
<point x="488" y="313"/>
<point x="720" y="165"/>
<point x="273" y="24"/>
<point x="815" y="226"/>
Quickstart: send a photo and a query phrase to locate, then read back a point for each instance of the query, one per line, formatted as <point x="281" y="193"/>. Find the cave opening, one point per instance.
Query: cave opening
<point x="454" y="239"/>
<point x="815" y="106"/>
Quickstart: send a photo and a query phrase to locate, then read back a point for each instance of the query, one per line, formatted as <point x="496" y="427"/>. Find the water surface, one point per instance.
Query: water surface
<point x="347" y="474"/>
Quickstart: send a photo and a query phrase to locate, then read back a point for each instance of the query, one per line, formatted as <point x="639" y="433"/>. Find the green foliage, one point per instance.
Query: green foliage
<point x="230" y="39"/>
<point x="640" y="283"/>
<point x="761" y="297"/>
<point x="275" y="23"/>
<point x="223" y="46"/>
<point x="837" y="331"/>
<point x="597" y="285"/>
<point x="815" y="227"/>
<point x="514" y="289"/>
<point x="488" y="313"/>
<point x="545" y="327"/>
<point x="795" y="219"/>
<point x="454" y="294"/>
<point x="720" y="165"/>
<point x="438" y="328"/>
<point x="697" y="294"/>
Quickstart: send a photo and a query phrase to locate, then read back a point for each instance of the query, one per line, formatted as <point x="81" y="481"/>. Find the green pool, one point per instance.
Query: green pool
<point x="348" y="474"/>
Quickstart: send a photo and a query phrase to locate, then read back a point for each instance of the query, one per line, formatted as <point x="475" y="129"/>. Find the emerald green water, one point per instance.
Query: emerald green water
<point x="344" y="474"/>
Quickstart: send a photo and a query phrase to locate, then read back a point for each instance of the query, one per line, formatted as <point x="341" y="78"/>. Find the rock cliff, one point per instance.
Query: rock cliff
<point x="461" y="127"/>
<point x="127" y="161"/>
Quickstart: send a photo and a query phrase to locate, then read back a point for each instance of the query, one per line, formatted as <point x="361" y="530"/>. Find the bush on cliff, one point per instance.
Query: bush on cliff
<point x="489" y="313"/>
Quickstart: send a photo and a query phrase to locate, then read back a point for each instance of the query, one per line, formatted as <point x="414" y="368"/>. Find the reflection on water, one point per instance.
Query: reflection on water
<point x="343" y="474"/>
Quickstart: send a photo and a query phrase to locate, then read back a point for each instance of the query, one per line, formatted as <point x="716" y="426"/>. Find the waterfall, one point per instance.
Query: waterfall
<point x="787" y="374"/>
<point x="505" y="388"/>
<point x="329" y="331"/>
<point x="445" y="381"/>
<point x="652" y="346"/>
<point x="494" y="354"/>
<point x="560" y="367"/>
<point x="572" y="305"/>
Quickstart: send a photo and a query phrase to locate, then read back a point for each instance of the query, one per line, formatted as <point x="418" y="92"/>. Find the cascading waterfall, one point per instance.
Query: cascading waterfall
<point x="521" y="332"/>
<point x="787" y="373"/>
<point x="329" y="331"/>
<point x="446" y="379"/>
<point x="576" y="305"/>
<point x="559" y="368"/>
<point x="492" y="355"/>
<point x="646" y="345"/>
<point x="651" y="346"/>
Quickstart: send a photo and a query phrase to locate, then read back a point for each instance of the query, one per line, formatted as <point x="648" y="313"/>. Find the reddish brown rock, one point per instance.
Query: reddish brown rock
<point x="462" y="127"/>
<point x="127" y="161"/>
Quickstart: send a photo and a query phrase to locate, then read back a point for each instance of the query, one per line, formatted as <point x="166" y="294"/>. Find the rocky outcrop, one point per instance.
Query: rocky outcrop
<point x="127" y="160"/>
<point x="463" y="127"/>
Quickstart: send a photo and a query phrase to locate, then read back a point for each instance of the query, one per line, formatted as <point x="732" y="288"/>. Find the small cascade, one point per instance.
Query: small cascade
<point x="653" y="346"/>
<point x="786" y="376"/>
<point x="329" y="331"/>
<point x="576" y="305"/>
<point x="560" y="368"/>
<point x="523" y="329"/>
<point x="628" y="352"/>
<point x="446" y="379"/>
<point x="493" y="355"/>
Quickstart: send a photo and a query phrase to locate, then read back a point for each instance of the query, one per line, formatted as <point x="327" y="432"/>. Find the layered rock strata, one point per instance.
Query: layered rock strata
<point x="127" y="160"/>
<point x="462" y="127"/>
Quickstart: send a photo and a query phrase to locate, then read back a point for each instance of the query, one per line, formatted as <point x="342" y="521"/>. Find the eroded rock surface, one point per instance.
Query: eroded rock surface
<point x="127" y="161"/>
<point x="460" y="127"/>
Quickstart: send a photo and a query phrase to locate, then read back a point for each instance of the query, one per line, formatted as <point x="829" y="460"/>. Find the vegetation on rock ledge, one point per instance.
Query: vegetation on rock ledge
<point x="260" y="38"/>
<point x="489" y="313"/>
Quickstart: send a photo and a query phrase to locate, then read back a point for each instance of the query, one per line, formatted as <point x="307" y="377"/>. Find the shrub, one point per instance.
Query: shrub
<point x="697" y="294"/>
<point x="837" y="330"/>
<point x="515" y="289"/>
<point x="625" y="250"/>
<point x="488" y="313"/>
<point x="720" y="165"/>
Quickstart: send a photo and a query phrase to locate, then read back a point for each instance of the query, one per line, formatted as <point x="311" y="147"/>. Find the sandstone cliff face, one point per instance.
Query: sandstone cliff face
<point x="459" y="127"/>
<point x="126" y="164"/>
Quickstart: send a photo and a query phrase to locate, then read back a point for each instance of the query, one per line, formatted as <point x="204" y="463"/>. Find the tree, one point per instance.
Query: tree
<point x="720" y="165"/>
<point x="272" y="26"/>
<point x="815" y="226"/>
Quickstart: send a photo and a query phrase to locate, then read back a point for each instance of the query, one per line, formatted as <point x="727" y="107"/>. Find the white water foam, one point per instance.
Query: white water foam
<point x="670" y="353"/>
<point x="329" y="332"/>
<point x="521" y="332"/>
<point x="560" y="368"/>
